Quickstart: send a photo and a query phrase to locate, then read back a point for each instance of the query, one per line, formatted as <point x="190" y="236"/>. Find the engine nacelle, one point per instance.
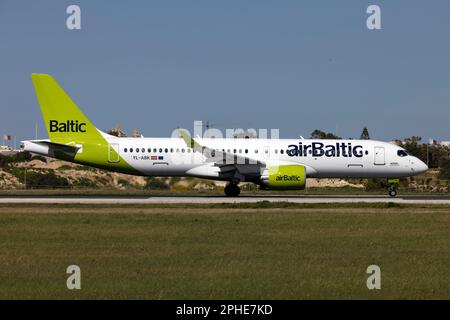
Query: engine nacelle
<point x="284" y="177"/>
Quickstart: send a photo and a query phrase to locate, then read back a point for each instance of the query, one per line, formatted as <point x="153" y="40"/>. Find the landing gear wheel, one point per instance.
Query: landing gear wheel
<point x="232" y="190"/>
<point x="392" y="192"/>
<point x="392" y="189"/>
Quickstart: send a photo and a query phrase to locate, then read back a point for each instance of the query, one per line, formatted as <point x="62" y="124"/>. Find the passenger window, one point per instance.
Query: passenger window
<point x="160" y="149"/>
<point x="137" y="149"/>
<point x="246" y="150"/>
<point x="166" y="150"/>
<point x="154" y="149"/>
<point x="189" y="150"/>
<point x="143" y="150"/>
<point x="182" y="150"/>
<point x="131" y="149"/>
<point x="282" y="151"/>
<point x="276" y="151"/>
<point x="125" y="150"/>
<point x="149" y="150"/>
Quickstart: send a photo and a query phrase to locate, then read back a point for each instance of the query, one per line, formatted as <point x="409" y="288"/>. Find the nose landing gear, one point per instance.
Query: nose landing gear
<point x="392" y="192"/>
<point x="232" y="190"/>
<point x="392" y="189"/>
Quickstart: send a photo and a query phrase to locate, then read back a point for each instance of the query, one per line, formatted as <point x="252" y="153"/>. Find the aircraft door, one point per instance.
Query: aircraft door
<point x="113" y="152"/>
<point x="379" y="156"/>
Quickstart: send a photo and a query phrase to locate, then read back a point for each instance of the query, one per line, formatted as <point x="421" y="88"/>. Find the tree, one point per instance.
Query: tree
<point x="444" y="171"/>
<point x="22" y="156"/>
<point x="433" y="155"/>
<point x="365" y="134"/>
<point x="437" y="155"/>
<point x="117" y="131"/>
<point x="319" y="134"/>
<point x="414" y="147"/>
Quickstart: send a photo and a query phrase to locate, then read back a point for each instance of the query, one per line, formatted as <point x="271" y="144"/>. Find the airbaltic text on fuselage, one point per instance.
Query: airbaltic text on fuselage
<point x="319" y="149"/>
<point x="68" y="126"/>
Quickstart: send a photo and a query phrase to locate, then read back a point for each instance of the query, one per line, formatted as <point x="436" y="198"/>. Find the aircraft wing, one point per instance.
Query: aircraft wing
<point x="217" y="156"/>
<point x="223" y="165"/>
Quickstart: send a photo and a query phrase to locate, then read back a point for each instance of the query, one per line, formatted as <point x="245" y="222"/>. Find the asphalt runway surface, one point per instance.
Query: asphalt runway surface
<point x="407" y="199"/>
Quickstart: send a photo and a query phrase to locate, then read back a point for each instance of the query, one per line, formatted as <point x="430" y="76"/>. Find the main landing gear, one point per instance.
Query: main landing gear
<point x="392" y="189"/>
<point x="232" y="190"/>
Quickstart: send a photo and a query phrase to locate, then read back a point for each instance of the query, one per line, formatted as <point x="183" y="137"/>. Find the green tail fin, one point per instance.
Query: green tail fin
<point x="64" y="121"/>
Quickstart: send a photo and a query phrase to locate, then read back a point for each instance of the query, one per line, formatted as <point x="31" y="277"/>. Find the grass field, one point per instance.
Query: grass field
<point x="221" y="251"/>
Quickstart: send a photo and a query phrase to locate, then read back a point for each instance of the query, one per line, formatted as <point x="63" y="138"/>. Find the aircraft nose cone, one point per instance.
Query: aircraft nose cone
<point x="421" y="167"/>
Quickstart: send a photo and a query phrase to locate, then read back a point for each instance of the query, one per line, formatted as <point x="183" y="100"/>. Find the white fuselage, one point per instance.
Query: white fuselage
<point x="370" y="159"/>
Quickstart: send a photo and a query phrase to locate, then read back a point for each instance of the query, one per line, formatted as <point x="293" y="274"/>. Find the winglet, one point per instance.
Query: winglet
<point x="190" y="142"/>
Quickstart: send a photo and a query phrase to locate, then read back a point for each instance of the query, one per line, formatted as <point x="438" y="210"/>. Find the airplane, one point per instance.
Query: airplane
<point x="278" y="164"/>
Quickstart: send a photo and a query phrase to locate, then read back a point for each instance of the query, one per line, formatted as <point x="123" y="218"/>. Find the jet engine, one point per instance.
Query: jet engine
<point x="284" y="177"/>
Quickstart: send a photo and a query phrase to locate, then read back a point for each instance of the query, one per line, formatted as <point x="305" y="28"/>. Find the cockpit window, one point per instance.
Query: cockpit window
<point x="402" y="153"/>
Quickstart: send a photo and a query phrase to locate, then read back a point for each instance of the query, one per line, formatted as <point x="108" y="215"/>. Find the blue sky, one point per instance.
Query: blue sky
<point x="293" y="65"/>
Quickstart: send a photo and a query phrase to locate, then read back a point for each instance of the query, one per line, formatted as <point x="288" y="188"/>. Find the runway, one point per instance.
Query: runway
<point x="201" y="199"/>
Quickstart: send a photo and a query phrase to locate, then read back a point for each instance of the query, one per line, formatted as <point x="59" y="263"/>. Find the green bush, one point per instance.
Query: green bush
<point x="17" y="157"/>
<point x="36" y="180"/>
<point x="174" y="180"/>
<point x="17" y="172"/>
<point x="123" y="182"/>
<point x="179" y="187"/>
<point x="20" y="157"/>
<point x="375" y="184"/>
<point x="156" y="184"/>
<point x="84" y="182"/>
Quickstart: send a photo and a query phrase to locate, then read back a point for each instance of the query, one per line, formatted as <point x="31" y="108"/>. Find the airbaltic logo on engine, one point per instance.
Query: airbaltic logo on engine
<point x="288" y="178"/>
<point x="318" y="149"/>
<point x="68" y="126"/>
